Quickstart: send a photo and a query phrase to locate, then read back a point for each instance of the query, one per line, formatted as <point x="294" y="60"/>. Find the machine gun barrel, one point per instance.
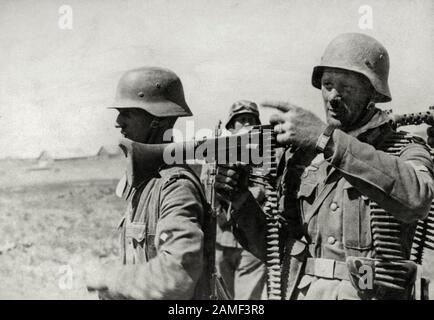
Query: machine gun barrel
<point x="416" y="118"/>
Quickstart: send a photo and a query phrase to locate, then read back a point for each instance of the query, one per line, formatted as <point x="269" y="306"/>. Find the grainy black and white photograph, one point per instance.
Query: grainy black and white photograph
<point x="217" y="150"/>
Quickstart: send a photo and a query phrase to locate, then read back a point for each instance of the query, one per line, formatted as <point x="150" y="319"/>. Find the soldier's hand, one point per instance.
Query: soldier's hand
<point x="295" y="126"/>
<point x="101" y="279"/>
<point x="231" y="181"/>
<point x="95" y="277"/>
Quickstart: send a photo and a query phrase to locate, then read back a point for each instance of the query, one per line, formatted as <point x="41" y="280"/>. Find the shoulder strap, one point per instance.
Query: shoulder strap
<point x="190" y="175"/>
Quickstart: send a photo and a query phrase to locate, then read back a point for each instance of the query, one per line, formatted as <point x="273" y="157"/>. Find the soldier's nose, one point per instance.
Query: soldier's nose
<point x="333" y="95"/>
<point x="120" y="121"/>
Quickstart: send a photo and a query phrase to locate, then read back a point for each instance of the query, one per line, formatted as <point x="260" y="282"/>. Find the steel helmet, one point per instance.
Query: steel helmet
<point x="156" y="90"/>
<point x="240" y="107"/>
<point x="359" y="53"/>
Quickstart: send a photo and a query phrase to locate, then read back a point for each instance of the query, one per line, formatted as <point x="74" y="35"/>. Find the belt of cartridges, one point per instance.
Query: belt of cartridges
<point x="424" y="237"/>
<point x="387" y="231"/>
<point x="271" y="210"/>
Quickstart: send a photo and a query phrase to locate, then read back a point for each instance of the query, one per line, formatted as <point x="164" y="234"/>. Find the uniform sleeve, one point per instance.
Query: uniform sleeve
<point x="174" y="272"/>
<point x="401" y="185"/>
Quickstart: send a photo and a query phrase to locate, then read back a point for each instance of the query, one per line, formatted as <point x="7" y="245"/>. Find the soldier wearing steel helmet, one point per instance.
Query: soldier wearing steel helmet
<point x="243" y="273"/>
<point x="162" y="242"/>
<point x="241" y="114"/>
<point x="330" y="177"/>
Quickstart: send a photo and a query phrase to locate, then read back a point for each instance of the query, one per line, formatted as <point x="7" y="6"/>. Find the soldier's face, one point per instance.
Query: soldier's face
<point x="346" y="95"/>
<point x="241" y="121"/>
<point x="135" y="124"/>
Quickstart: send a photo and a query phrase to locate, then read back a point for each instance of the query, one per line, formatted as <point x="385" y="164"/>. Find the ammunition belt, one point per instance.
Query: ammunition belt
<point x="271" y="210"/>
<point x="387" y="232"/>
<point x="424" y="235"/>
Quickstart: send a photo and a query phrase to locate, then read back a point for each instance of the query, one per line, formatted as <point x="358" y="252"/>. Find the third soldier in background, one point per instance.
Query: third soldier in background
<point x="243" y="273"/>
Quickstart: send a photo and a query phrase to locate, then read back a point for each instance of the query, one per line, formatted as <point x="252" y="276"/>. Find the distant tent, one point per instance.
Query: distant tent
<point x="105" y="152"/>
<point x="70" y="154"/>
<point x="44" y="156"/>
<point x="102" y="153"/>
<point x="44" y="159"/>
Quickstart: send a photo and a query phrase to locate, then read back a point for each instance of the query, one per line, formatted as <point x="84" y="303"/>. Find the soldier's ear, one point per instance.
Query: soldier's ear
<point x="372" y="99"/>
<point x="155" y="123"/>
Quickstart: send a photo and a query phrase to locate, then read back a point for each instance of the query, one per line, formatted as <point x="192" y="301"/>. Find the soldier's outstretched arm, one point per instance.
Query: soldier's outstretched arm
<point x="401" y="185"/>
<point x="174" y="272"/>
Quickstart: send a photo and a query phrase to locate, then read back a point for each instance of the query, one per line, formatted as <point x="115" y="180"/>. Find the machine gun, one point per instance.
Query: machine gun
<point x="416" y="118"/>
<point x="255" y="146"/>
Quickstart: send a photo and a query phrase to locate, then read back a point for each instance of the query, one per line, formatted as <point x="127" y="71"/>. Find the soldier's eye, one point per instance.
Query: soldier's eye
<point x="327" y="85"/>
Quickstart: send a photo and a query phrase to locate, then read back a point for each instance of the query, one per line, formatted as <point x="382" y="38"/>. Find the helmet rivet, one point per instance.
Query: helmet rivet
<point x="158" y="85"/>
<point x="141" y="94"/>
<point x="381" y="56"/>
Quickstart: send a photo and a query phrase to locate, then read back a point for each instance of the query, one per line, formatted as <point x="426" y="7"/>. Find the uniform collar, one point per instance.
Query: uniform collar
<point x="372" y="120"/>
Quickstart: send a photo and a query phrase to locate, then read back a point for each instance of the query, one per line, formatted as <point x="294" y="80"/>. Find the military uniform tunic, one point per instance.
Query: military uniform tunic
<point x="162" y="239"/>
<point x="325" y="200"/>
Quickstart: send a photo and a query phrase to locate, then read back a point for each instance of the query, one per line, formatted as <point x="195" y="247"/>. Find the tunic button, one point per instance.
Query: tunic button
<point x="333" y="206"/>
<point x="331" y="240"/>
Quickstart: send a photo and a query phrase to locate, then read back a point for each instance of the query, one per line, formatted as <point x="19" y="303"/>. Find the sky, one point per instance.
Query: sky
<point x="56" y="84"/>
